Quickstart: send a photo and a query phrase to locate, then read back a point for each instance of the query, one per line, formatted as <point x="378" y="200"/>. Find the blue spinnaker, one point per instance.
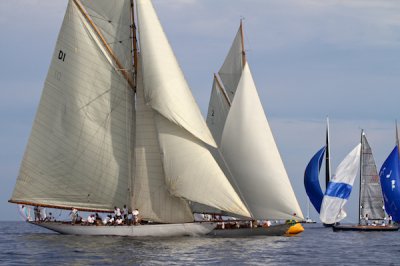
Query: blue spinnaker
<point x="390" y="182"/>
<point x="311" y="180"/>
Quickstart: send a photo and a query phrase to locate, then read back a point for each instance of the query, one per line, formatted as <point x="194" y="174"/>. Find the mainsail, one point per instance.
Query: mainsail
<point x="371" y="200"/>
<point x="92" y="147"/>
<point x="246" y="142"/>
<point x="339" y="188"/>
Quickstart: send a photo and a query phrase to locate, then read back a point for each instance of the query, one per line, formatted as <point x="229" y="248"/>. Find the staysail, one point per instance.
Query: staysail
<point x="390" y="180"/>
<point x="311" y="179"/>
<point x="339" y="188"/>
<point x="371" y="200"/>
<point x="92" y="147"/>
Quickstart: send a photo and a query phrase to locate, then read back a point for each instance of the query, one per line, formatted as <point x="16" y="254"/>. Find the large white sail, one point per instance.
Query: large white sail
<point x="78" y="153"/>
<point x="150" y="191"/>
<point x="339" y="188"/>
<point x="231" y="70"/>
<point x="166" y="89"/>
<point x="190" y="170"/>
<point x="252" y="156"/>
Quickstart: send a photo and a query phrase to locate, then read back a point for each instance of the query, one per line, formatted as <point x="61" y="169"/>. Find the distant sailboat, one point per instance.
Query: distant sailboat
<point x="247" y="149"/>
<point x="371" y="212"/>
<point x="118" y="125"/>
<point x="390" y="180"/>
<point x="311" y="174"/>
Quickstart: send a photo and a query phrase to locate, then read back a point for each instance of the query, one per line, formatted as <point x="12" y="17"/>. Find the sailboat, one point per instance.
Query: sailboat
<point x="311" y="174"/>
<point x="247" y="149"/>
<point x="390" y="179"/>
<point x="117" y="124"/>
<point x="371" y="211"/>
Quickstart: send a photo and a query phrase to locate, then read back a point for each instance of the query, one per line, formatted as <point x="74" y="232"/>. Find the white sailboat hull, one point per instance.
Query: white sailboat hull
<point x="149" y="230"/>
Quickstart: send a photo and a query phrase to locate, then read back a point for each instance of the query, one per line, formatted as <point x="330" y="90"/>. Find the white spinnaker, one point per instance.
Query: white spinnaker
<point x="191" y="171"/>
<point x="231" y="70"/>
<point x="150" y="192"/>
<point x="332" y="210"/>
<point x="252" y="156"/>
<point x="166" y="89"/>
<point x="217" y="111"/>
<point x="78" y="154"/>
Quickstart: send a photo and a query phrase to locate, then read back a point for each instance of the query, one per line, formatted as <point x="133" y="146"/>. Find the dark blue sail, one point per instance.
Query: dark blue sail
<point x="390" y="182"/>
<point x="311" y="180"/>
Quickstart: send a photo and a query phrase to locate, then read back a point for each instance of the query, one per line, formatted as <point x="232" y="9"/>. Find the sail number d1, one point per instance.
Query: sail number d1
<point x="61" y="55"/>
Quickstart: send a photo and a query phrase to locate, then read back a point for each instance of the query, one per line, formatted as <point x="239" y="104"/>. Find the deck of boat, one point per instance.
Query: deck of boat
<point x="357" y="227"/>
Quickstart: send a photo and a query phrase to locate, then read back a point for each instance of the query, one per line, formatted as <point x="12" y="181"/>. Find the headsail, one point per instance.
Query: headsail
<point x="252" y="156"/>
<point x="371" y="200"/>
<point x="390" y="180"/>
<point x="166" y="89"/>
<point x="190" y="170"/>
<point x="311" y="179"/>
<point x="339" y="188"/>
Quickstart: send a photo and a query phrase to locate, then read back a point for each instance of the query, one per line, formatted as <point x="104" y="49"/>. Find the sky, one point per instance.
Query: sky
<point x="310" y="59"/>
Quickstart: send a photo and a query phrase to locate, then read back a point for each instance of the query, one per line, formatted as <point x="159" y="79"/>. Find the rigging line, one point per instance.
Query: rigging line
<point x="103" y="40"/>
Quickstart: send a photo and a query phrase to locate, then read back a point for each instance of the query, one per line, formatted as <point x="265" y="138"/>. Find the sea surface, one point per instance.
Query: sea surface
<point x="26" y="244"/>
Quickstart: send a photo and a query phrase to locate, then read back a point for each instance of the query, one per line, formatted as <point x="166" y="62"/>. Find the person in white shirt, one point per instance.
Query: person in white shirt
<point x="107" y="219"/>
<point x="135" y="216"/>
<point x="90" y="219"/>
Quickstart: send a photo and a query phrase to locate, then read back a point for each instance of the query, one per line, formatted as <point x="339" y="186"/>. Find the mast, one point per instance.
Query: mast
<point x="242" y="35"/>
<point x="361" y="174"/>
<point x="327" y="156"/>
<point x="134" y="45"/>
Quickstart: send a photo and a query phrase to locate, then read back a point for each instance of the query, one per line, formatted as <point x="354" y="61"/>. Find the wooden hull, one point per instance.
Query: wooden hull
<point x="148" y="230"/>
<point x="357" y="227"/>
<point x="275" y="230"/>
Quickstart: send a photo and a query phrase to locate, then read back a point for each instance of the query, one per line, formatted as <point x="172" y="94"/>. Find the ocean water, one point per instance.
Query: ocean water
<point x="25" y="244"/>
